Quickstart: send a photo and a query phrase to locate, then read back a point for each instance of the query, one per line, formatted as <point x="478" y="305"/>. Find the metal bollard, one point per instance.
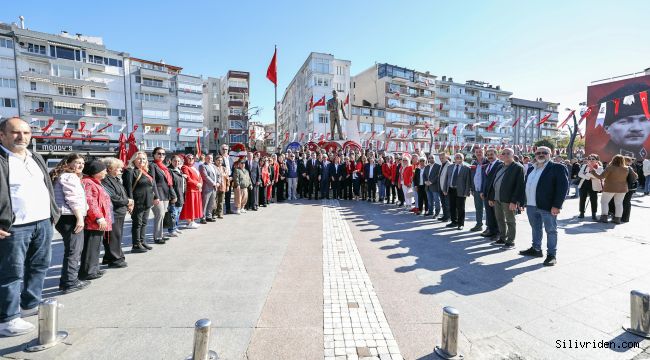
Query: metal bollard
<point x="639" y="314"/>
<point x="449" y="347"/>
<point x="202" y="341"/>
<point x="48" y="326"/>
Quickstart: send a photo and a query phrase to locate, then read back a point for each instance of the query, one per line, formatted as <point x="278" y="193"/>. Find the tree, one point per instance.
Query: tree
<point x="545" y="142"/>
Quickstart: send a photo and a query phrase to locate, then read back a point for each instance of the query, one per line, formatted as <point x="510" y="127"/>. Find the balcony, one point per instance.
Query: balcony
<point x="443" y="93"/>
<point x="36" y="56"/>
<point x="195" y="109"/>
<point x="57" y="80"/>
<point x="155" y="105"/>
<point x="155" y="74"/>
<point x="485" y="100"/>
<point x="236" y="117"/>
<point x="238" y="74"/>
<point x="159" y="90"/>
<point x="155" y="121"/>
<point x="236" y="103"/>
<point x="467" y="96"/>
<point x="238" y="90"/>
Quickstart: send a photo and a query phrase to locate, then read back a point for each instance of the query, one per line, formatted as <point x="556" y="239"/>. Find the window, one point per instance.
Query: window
<point x="320" y="66"/>
<point x="6" y="63"/>
<point x="150" y="97"/>
<point x="61" y="52"/>
<point x="155" y="114"/>
<point x="36" y="49"/>
<point x="92" y="93"/>
<point x="340" y="70"/>
<point x="394" y="103"/>
<point x="365" y="127"/>
<point x="115" y="112"/>
<point x="321" y="81"/>
<point x="32" y="85"/>
<point x="240" y="83"/>
<point x="235" y="111"/>
<point x="98" y="111"/>
<point x="339" y="87"/>
<point x="190" y="117"/>
<point x="238" y="138"/>
<point x="237" y="124"/>
<point x="40" y="106"/>
<point x="393" y="117"/>
<point x="7" y="83"/>
<point x="190" y="103"/>
<point x="8" y="103"/>
<point x="6" y="43"/>
<point x="322" y="118"/>
<point x="63" y="110"/>
<point x="215" y="118"/>
<point x="379" y="128"/>
<point x="67" y="91"/>
<point x="152" y="66"/>
<point x="191" y="88"/>
<point x="66" y="71"/>
<point x="379" y="113"/>
<point x="152" y="82"/>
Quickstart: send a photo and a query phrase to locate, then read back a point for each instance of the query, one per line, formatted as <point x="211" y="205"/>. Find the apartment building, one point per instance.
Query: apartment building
<point x="529" y="113"/>
<point x="471" y="108"/>
<point x="396" y="103"/>
<point x="8" y="82"/>
<point x="319" y="75"/>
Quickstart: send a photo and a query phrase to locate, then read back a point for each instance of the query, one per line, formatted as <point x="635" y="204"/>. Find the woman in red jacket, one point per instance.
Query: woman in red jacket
<point x="388" y="170"/>
<point x="193" y="206"/>
<point x="265" y="174"/>
<point x="98" y="220"/>
<point x="357" y="177"/>
<point x="347" y="182"/>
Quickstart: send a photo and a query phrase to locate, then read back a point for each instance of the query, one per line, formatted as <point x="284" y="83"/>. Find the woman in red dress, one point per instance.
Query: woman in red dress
<point x="193" y="206"/>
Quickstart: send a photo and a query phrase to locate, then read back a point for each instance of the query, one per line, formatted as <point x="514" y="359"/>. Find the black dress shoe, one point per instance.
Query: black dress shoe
<point x="160" y="241"/>
<point x="118" y="264"/>
<point x="476" y="228"/>
<point x="138" y="249"/>
<point x="581" y="216"/>
<point x="460" y="227"/>
<point x="94" y="276"/>
<point x="210" y="220"/>
<point x="499" y="242"/>
<point x="532" y="252"/>
<point x="146" y="246"/>
<point x="550" y="261"/>
<point x="78" y="285"/>
<point x="203" y="221"/>
<point x="488" y="234"/>
<point x="508" y="246"/>
<point x="451" y="225"/>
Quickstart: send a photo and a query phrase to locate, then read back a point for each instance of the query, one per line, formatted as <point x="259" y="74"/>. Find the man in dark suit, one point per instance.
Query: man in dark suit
<point x="457" y="188"/>
<point x="478" y="167"/>
<point x="253" y="167"/>
<point x="371" y="172"/>
<point x="313" y="175"/>
<point x="325" y="177"/>
<point x="440" y="177"/>
<point x="505" y="196"/>
<point x="546" y="187"/>
<point x="419" y="179"/>
<point x="491" y="168"/>
<point x="302" y="175"/>
<point x="337" y="174"/>
<point x="431" y="187"/>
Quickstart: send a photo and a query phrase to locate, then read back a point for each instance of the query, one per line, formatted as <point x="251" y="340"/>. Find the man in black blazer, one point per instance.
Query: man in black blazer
<point x="440" y="180"/>
<point x="253" y="167"/>
<point x="505" y="196"/>
<point x="546" y="187"/>
<point x="419" y="178"/>
<point x="313" y="175"/>
<point x="302" y="175"/>
<point x="337" y="174"/>
<point x="491" y="168"/>
<point x="371" y="174"/>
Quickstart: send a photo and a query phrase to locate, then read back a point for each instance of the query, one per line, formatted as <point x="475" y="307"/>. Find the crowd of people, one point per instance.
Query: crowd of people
<point x="87" y="200"/>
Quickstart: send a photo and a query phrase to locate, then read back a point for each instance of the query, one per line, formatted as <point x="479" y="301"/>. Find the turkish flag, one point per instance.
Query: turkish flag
<point x="544" y="119"/>
<point x="585" y="114"/>
<point x="311" y="103"/>
<point x="133" y="147"/>
<point x="67" y="133"/>
<point x="516" y="121"/>
<point x="320" y="102"/>
<point x="122" y="149"/>
<point x="454" y="130"/>
<point x="491" y="126"/>
<point x="82" y="126"/>
<point x="643" y="95"/>
<point x="272" y="71"/>
<point x="347" y="100"/>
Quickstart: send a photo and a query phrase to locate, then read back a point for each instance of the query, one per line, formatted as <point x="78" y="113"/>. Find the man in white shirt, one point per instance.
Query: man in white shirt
<point x="27" y="211"/>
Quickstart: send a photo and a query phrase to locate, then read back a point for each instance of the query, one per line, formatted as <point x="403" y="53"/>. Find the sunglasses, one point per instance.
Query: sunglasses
<point x="541" y="153"/>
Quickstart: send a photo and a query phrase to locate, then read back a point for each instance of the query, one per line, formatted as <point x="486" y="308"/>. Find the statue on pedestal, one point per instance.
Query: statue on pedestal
<point x="333" y="106"/>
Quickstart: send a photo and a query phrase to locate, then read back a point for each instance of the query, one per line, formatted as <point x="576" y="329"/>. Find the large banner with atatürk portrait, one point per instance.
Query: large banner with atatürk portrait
<point x="618" y="120"/>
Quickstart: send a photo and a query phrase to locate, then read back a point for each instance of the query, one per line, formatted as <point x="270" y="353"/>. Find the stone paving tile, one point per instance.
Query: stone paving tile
<point x="351" y="309"/>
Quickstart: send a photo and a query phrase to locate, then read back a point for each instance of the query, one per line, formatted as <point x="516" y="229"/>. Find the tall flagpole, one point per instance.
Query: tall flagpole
<point x="275" y="104"/>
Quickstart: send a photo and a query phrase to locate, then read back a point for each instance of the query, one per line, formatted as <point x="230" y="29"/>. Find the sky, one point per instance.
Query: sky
<point x="549" y="49"/>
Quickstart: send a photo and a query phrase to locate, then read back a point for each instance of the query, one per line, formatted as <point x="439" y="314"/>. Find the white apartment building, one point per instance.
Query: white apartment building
<point x="72" y="79"/>
<point x="395" y="103"/>
<point x="317" y="77"/>
<point x="8" y="83"/>
<point x="472" y="107"/>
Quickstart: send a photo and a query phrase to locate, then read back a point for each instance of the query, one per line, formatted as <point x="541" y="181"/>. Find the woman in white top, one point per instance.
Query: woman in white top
<point x="590" y="185"/>
<point x="70" y="198"/>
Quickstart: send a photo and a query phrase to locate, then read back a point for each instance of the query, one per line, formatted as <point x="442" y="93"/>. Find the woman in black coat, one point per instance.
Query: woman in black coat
<point x="113" y="255"/>
<point x="139" y="187"/>
<point x="179" y="189"/>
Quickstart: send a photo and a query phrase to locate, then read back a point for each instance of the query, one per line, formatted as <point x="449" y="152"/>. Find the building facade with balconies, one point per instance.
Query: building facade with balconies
<point x="235" y="104"/>
<point x="212" y="104"/>
<point x="533" y="110"/>
<point x="8" y="83"/>
<point x="396" y="101"/>
<point x="319" y="75"/>
<point x="72" y="79"/>
<point x="472" y="107"/>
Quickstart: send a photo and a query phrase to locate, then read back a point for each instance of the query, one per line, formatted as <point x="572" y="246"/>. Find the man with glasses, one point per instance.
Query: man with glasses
<point x="432" y="186"/>
<point x="253" y="167"/>
<point x="27" y="212"/>
<point x="209" y="190"/>
<point x="223" y="150"/>
<point x="457" y="188"/>
<point x="546" y="187"/>
<point x="506" y="195"/>
<point x="292" y="176"/>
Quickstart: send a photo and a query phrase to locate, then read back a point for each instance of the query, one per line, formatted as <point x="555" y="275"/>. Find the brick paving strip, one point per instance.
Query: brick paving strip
<point x="355" y="326"/>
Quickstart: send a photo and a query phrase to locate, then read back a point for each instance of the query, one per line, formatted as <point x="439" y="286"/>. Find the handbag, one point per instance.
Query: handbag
<point x="168" y="221"/>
